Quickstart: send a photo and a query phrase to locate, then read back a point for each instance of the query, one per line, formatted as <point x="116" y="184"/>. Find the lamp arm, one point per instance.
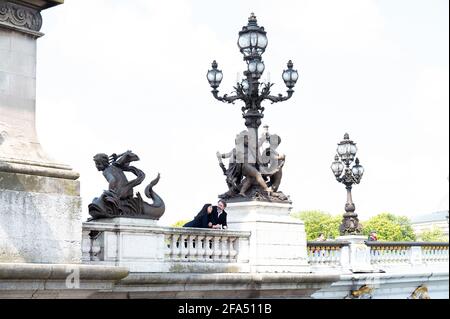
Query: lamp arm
<point x="279" y="97"/>
<point x="227" y="99"/>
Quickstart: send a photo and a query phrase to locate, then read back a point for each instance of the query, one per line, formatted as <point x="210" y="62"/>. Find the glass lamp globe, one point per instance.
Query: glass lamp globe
<point x="337" y="167"/>
<point x="245" y="85"/>
<point x="347" y="149"/>
<point x="252" y="39"/>
<point x="256" y="66"/>
<point x="290" y="76"/>
<point x="214" y="75"/>
<point x="357" y="169"/>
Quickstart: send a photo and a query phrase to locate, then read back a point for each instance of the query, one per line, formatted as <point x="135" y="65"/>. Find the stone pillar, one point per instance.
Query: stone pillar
<point x="277" y="241"/>
<point x="40" y="206"/>
<point x="416" y="258"/>
<point x="358" y="254"/>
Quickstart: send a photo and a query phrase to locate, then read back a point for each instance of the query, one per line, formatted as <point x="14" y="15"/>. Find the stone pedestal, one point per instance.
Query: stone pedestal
<point x="40" y="206"/>
<point x="137" y="244"/>
<point x="277" y="241"/>
<point x="358" y="254"/>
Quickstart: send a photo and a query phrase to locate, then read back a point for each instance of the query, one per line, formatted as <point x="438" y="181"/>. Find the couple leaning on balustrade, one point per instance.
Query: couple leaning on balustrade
<point x="210" y="216"/>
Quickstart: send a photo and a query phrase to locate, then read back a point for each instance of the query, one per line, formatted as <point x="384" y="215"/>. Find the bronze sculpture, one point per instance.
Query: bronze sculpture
<point x="119" y="200"/>
<point x="253" y="174"/>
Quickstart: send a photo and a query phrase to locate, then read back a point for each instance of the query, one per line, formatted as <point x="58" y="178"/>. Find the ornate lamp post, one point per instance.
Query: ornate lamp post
<point x="346" y="152"/>
<point x="252" y="43"/>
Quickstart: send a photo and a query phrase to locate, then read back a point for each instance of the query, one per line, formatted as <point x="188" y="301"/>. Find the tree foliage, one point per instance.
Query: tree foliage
<point x="317" y="222"/>
<point x="434" y="234"/>
<point x="390" y="227"/>
<point x="179" y="223"/>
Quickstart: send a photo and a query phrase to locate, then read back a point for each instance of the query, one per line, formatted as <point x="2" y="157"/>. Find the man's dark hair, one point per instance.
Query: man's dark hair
<point x="223" y="202"/>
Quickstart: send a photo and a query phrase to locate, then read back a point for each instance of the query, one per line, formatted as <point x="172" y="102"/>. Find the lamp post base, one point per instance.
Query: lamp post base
<point x="350" y="225"/>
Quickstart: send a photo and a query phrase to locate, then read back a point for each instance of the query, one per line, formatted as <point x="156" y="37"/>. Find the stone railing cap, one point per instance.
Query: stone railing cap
<point x="99" y="226"/>
<point x="328" y="243"/>
<point x="206" y="231"/>
<point x="405" y="243"/>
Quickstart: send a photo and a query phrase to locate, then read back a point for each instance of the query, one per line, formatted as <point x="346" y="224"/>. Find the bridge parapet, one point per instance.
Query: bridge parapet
<point x="144" y="247"/>
<point x="408" y="253"/>
<point x="323" y="256"/>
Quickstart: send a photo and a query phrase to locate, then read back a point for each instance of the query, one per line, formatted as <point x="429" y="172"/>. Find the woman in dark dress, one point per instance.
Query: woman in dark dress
<point x="202" y="219"/>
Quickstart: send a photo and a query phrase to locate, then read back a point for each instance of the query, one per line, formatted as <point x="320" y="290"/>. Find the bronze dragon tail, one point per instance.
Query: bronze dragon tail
<point x="157" y="209"/>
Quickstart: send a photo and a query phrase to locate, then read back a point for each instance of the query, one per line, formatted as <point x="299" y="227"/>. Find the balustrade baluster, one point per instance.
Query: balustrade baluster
<point x="216" y="248"/>
<point x="167" y="246"/>
<point x="184" y="247"/>
<point x="224" y="251"/>
<point x="208" y="248"/>
<point x="200" y="241"/>
<point x="232" y="248"/>
<point x="191" y="254"/>
<point x="175" y="247"/>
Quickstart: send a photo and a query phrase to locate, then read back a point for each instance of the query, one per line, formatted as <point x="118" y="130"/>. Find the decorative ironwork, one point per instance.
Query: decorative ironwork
<point x="346" y="152"/>
<point x="257" y="178"/>
<point x="20" y="16"/>
<point x="252" y="43"/>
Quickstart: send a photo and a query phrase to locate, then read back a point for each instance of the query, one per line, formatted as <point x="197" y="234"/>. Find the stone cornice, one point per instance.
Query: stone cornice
<point x="38" y="4"/>
<point x="20" y="17"/>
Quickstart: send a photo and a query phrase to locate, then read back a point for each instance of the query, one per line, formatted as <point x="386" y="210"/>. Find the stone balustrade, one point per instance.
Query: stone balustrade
<point x="149" y="248"/>
<point x="145" y="247"/>
<point x="379" y="255"/>
<point x="392" y="254"/>
<point x="198" y="245"/>
<point x="327" y="253"/>
<point x="407" y="253"/>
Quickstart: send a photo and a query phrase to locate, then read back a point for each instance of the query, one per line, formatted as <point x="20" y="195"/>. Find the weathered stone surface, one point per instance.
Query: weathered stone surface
<point x="315" y="286"/>
<point x="17" y="98"/>
<point x="38" y="184"/>
<point x="40" y="228"/>
<point x="51" y="281"/>
<point x="219" y="285"/>
<point x="20" y="148"/>
<point x="277" y="241"/>
<point x="40" y="206"/>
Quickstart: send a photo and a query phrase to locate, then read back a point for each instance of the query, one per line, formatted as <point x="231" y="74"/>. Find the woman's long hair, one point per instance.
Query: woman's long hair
<point x="203" y="211"/>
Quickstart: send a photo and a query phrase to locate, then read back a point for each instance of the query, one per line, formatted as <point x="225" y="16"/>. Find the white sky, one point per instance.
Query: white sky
<point x="117" y="75"/>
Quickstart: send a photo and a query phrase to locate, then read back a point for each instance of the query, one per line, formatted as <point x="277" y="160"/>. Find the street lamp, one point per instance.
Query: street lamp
<point x="252" y="43"/>
<point x="346" y="152"/>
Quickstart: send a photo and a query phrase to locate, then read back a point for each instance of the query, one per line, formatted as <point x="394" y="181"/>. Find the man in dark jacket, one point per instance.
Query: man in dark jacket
<point x="219" y="216"/>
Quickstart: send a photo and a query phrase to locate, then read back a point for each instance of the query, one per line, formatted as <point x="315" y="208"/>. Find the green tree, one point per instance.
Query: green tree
<point x="434" y="234"/>
<point x="390" y="227"/>
<point x="317" y="222"/>
<point x="179" y="223"/>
